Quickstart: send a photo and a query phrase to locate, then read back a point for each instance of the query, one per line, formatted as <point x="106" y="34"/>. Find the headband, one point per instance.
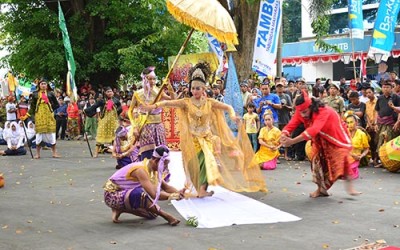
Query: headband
<point x="306" y="104"/>
<point x="160" y="169"/>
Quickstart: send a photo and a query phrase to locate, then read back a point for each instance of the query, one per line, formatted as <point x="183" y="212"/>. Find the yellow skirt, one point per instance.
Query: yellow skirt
<point x="107" y="126"/>
<point x="44" y="120"/>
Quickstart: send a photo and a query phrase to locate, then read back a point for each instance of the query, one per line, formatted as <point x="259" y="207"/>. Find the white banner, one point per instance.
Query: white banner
<point x="216" y="48"/>
<point x="266" y="43"/>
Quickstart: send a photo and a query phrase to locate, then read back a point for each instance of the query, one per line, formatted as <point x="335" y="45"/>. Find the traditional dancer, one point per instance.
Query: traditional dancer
<point x="359" y="140"/>
<point x="124" y="150"/>
<point x="149" y="128"/>
<point x="331" y="143"/>
<point x="110" y="108"/>
<point x="43" y="103"/>
<point x="132" y="189"/>
<point x="211" y="154"/>
<point x="267" y="156"/>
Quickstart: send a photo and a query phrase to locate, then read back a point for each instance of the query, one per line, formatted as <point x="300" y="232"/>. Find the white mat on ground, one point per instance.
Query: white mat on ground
<point x="224" y="208"/>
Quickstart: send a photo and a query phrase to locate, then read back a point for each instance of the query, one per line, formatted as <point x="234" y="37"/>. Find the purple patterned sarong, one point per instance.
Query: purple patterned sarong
<point x="135" y="201"/>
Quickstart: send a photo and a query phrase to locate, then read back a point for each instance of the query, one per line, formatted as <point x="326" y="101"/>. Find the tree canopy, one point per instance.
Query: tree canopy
<point x="108" y="38"/>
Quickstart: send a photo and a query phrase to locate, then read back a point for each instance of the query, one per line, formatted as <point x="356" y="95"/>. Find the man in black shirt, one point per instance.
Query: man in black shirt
<point x="357" y="107"/>
<point x="387" y="122"/>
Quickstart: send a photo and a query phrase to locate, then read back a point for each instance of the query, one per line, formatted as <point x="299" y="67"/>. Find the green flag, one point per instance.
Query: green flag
<point x="68" y="51"/>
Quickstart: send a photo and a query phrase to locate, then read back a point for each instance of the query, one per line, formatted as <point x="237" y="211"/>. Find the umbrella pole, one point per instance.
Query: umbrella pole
<point x="173" y="65"/>
<point x="165" y="81"/>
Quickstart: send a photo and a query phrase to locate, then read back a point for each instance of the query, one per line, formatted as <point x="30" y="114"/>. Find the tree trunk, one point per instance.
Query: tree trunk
<point x="245" y="18"/>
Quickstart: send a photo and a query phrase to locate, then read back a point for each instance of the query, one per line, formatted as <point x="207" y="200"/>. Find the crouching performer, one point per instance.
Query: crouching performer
<point x="137" y="187"/>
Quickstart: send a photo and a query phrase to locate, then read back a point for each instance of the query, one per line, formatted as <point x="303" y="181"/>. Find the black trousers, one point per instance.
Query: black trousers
<point x="61" y="123"/>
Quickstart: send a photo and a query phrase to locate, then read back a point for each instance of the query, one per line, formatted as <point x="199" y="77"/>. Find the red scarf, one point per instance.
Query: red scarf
<point x="45" y="98"/>
<point x="109" y="105"/>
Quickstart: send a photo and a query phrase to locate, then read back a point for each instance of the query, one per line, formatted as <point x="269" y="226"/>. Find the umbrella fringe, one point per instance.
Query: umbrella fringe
<point x="220" y="35"/>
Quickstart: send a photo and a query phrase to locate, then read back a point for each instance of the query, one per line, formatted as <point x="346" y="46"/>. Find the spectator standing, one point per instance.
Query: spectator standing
<point x="371" y="116"/>
<point x="61" y="119"/>
<point x="268" y="101"/>
<point x="334" y="100"/>
<point x="284" y="112"/>
<point x="388" y="123"/>
<point x="357" y="108"/>
<point x="252" y="124"/>
<point x="11" y="109"/>
<point x="91" y="118"/>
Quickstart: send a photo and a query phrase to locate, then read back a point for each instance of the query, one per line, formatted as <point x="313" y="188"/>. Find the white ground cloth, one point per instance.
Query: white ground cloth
<point x="224" y="208"/>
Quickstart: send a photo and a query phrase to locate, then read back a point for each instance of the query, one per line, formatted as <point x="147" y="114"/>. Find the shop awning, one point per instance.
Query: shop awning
<point x="329" y="58"/>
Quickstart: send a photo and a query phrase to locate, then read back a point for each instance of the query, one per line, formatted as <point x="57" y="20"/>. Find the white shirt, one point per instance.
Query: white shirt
<point x="11" y="116"/>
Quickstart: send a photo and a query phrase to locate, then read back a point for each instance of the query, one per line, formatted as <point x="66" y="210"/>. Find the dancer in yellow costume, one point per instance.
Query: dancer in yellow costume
<point x="269" y="139"/>
<point x="43" y="103"/>
<point x="110" y="108"/>
<point x="211" y="154"/>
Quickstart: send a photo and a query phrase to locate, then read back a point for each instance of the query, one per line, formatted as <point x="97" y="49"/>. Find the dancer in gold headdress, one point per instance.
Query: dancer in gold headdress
<point x="211" y="154"/>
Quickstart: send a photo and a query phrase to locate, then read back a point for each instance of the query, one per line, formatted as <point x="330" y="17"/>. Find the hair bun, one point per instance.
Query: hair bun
<point x="201" y="71"/>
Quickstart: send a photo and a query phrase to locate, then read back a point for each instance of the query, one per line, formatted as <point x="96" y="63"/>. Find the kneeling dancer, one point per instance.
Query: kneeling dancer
<point x="132" y="189"/>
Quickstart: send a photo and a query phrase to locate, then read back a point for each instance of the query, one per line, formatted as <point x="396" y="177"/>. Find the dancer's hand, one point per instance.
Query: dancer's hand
<point x="396" y="126"/>
<point x="286" y="141"/>
<point x="236" y="119"/>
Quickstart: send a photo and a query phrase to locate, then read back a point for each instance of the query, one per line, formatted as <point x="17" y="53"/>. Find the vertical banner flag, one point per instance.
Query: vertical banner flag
<point x="385" y="24"/>
<point x="356" y="19"/>
<point x="233" y="94"/>
<point x="363" y="66"/>
<point x="217" y="49"/>
<point x="71" y="89"/>
<point x="266" y="43"/>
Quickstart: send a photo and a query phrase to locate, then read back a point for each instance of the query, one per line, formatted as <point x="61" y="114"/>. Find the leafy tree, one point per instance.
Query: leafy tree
<point x="108" y="38"/>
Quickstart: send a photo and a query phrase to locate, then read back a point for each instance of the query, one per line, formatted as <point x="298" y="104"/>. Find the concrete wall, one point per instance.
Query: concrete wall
<point x="312" y="71"/>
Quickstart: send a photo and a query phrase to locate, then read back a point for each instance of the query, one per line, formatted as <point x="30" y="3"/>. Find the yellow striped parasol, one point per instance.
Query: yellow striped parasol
<point x="207" y="16"/>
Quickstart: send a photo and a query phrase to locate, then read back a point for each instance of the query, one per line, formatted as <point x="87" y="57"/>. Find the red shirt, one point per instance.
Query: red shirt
<point x="326" y="123"/>
<point x="72" y="110"/>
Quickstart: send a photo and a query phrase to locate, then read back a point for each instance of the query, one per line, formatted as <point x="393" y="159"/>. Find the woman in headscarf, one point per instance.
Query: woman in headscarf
<point x="5" y="133"/>
<point x="43" y="103"/>
<point x="110" y="108"/>
<point x="149" y="128"/>
<point x="137" y="187"/>
<point x="15" y="141"/>
<point x="211" y="154"/>
<point x="31" y="134"/>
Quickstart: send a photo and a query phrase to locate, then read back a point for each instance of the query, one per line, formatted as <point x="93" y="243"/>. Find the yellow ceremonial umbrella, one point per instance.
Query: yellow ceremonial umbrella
<point x="207" y="16"/>
<point x="204" y="15"/>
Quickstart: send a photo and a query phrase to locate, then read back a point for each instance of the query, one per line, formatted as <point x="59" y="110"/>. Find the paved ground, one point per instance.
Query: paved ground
<point x="58" y="204"/>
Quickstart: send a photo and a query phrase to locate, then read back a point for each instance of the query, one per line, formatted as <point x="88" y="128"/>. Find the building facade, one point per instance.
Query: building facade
<point x="304" y="59"/>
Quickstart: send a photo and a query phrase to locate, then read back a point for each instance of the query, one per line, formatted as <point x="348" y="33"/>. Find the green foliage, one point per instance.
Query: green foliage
<point x="320" y="24"/>
<point x="108" y="38"/>
<point x="321" y="27"/>
<point x="291" y="19"/>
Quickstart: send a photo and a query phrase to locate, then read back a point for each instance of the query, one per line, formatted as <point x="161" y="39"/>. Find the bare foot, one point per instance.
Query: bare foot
<point x="319" y="193"/>
<point x="56" y="155"/>
<point x="96" y="155"/>
<point x="205" y="194"/>
<point x="115" y="215"/>
<point x="378" y="165"/>
<point x="174" y="222"/>
<point x="37" y="157"/>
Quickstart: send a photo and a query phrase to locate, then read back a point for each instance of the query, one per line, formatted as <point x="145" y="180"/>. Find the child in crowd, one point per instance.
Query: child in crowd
<point x="252" y="124"/>
<point x="267" y="155"/>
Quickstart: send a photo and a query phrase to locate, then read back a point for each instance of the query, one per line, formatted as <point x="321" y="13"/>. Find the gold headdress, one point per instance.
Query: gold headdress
<point x="200" y="72"/>
<point x="267" y="112"/>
